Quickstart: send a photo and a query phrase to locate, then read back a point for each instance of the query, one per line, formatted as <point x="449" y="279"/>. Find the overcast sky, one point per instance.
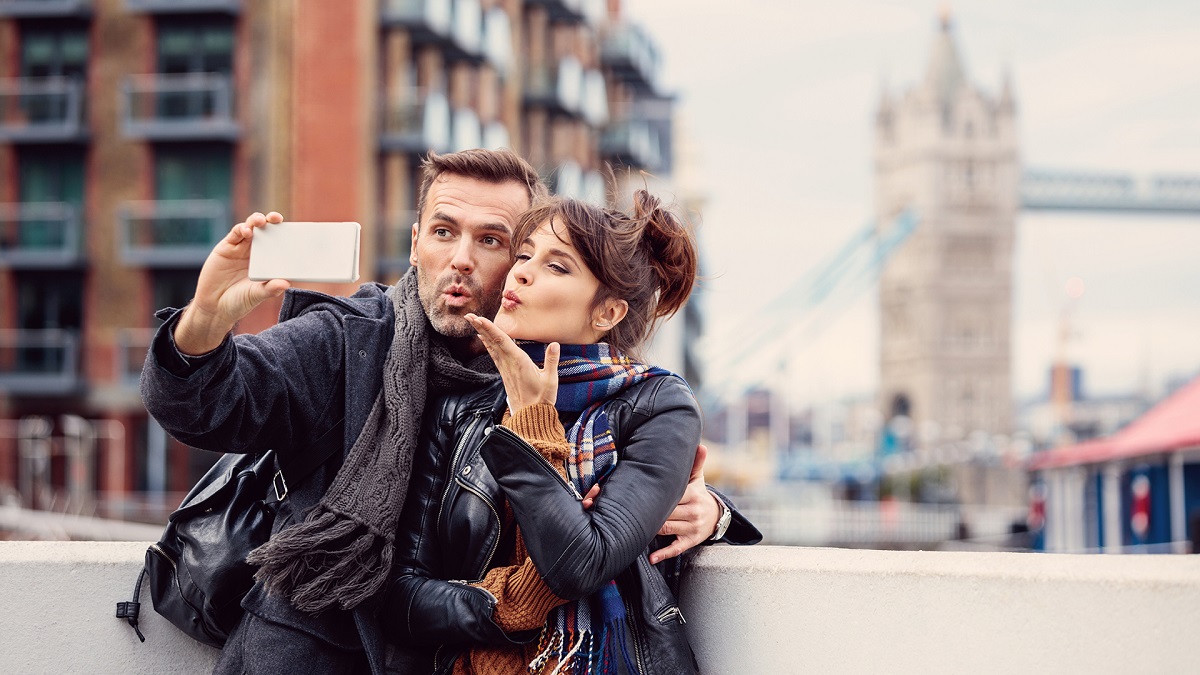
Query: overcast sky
<point x="777" y="101"/>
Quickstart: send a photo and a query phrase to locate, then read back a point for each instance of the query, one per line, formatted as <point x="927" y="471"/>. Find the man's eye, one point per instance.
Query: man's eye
<point x="441" y="232"/>
<point x="491" y="241"/>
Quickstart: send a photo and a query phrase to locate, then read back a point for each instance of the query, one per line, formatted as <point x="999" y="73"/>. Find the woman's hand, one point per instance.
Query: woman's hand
<point x="524" y="382"/>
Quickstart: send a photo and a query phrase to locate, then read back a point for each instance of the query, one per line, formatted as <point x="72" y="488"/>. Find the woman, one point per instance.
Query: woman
<point x="540" y="580"/>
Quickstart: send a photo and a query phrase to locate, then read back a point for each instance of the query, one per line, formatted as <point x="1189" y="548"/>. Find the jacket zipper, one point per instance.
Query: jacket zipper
<point x="537" y="455"/>
<point x="670" y="612"/>
<point x="495" y="542"/>
<point x="462" y="443"/>
<point x="633" y="634"/>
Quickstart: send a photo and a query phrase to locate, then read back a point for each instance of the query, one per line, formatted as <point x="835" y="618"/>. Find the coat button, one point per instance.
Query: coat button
<point x="466" y="470"/>
<point x="362" y="353"/>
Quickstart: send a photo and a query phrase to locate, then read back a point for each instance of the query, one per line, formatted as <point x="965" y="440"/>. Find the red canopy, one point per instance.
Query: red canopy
<point x="1173" y="424"/>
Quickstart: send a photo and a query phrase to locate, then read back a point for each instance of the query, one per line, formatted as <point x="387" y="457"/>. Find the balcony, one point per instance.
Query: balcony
<point x="170" y="233"/>
<point x="230" y="7"/>
<point x="594" y="99"/>
<point x="39" y="110"/>
<point x="631" y="55"/>
<point x="426" y="20"/>
<point x="132" y="345"/>
<point x="558" y="87"/>
<point x="466" y="131"/>
<point x="41" y="362"/>
<point x="189" y="106"/>
<point x="567" y="180"/>
<point x="40" y="235"/>
<point x="632" y="143"/>
<point x="417" y="124"/>
<point x="561" y="10"/>
<point x="44" y="9"/>
<point x="395" y="244"/>
<point x="497" y="40"/>
<point x="495" y="136"/>
<point x="466" y="31"/>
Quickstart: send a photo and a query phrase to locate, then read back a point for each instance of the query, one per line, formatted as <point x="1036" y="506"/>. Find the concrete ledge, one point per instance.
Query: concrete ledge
<point x="749" y="610"/>
<point x="781" y="610"/>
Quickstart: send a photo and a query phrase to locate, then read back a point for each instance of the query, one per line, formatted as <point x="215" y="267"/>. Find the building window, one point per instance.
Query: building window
<point x="174" y="288"/>
<point x="46" y="302"/>
<point x="54" y="52"/>
<point x="49" y="175"/>
<point x="190" y="172"/>
<point x="193" y="46"/>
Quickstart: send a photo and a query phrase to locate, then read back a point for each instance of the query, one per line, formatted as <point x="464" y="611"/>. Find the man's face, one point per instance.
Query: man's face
<point x="461" y="248"/>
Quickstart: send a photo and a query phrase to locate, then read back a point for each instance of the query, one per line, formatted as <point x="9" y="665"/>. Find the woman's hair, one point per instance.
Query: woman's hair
<point x="647" y="258"/>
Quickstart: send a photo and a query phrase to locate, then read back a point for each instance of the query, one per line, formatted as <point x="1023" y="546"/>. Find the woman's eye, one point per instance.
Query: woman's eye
<point x="523" y="256"/>
<point x="558" y="268"/>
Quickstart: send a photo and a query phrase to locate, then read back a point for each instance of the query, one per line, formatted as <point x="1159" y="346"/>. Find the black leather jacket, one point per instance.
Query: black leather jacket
<point x="451" y="533"/>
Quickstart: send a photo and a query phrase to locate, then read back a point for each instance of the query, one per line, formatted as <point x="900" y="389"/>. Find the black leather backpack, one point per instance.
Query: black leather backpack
<point x="198" y="571"/>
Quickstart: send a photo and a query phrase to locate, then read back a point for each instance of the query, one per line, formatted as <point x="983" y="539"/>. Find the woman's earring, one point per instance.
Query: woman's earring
<point x="603" y="324"/>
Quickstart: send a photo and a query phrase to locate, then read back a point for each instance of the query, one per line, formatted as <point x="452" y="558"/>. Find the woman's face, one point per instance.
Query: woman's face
<point x="549" y="291"/>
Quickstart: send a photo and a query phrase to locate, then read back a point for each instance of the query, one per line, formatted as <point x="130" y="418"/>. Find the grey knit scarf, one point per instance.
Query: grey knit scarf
<point x="341" y="554"/>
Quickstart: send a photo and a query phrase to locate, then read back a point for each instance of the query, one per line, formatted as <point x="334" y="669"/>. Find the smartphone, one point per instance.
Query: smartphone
<point x="305" y="252"/>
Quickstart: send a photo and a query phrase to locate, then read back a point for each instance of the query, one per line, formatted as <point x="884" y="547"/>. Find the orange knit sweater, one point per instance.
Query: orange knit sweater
<point x="523" y="600"/>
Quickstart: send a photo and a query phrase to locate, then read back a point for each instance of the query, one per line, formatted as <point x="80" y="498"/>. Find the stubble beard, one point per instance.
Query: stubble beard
<point x="450" y="321"/>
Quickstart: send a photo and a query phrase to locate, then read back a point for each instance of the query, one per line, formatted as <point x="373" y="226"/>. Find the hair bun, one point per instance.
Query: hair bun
<point x="671" y="249"/>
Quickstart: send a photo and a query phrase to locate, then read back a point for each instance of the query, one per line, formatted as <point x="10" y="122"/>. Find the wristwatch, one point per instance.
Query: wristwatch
<point x="723" y="521"/>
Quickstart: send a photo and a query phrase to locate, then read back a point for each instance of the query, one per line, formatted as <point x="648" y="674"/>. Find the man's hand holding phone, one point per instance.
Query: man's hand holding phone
<point x="224" y="292"/>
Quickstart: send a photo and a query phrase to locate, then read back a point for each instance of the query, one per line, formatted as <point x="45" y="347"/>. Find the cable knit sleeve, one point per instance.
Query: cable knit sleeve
<point x="522" y="599"/>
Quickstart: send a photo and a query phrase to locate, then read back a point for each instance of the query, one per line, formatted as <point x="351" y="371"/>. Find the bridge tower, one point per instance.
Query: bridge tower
<point x="947" y="150"/>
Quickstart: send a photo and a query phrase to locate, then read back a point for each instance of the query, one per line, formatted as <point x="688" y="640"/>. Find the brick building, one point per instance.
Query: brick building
<point x="133" y="133"/>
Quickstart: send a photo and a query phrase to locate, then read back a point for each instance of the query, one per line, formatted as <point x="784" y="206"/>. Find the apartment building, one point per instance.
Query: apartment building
<point x="133" y="133"/>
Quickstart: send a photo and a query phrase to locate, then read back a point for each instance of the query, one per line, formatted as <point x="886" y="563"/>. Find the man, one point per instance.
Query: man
<point x="364" y="365"/>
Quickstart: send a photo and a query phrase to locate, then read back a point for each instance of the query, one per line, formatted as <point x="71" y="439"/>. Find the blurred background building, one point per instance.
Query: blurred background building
<point x="133" y="133"/>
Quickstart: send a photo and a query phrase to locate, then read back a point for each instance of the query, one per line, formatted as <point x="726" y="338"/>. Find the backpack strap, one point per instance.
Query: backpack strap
<point x="130" y="610"/>
<point x="299" y="466"/>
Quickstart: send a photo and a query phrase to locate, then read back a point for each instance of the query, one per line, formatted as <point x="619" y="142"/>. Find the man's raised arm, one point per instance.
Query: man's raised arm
<point x="224" y="292"/>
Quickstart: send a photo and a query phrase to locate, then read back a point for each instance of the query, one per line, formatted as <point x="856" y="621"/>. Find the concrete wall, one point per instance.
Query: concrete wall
<point x="749" y="610"/>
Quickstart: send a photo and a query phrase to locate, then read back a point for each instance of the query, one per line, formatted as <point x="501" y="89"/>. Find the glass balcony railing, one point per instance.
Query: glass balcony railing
<point x="44" y="9"/>
<point x="558" y="86"/>
<point x="631" y="54"/>
<point x="395" y="244"/>
<point x="179" y="107"/>
<point x="466" y="131"/>
<point x="39" y="362"/>
<point x="633" y="144"/>
<point x="41" y="109"/>
<point x="171" y="233"/>
<point x="132" y="345"/>
<point x="466" y="30"/>
<point x="417" y="123"/>
<point x="426" y="20"/>
<point x="40" y="235"/>
<point x="232" y="7"/>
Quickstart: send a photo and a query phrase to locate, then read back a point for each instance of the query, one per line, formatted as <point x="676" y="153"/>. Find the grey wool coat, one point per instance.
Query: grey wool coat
<point x="281" y="389"/>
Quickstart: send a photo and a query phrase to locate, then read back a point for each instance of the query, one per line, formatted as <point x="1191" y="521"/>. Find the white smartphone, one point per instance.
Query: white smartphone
<point x="305" y="252"/>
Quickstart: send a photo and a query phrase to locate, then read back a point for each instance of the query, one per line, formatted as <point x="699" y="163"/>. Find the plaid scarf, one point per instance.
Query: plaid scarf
<point x="588" y="635"/>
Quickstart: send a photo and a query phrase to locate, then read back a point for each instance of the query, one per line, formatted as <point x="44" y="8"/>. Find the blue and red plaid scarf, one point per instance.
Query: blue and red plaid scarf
<point x="588" y="635"/>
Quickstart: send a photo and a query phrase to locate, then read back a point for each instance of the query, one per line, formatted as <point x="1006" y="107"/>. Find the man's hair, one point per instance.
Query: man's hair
<point x="492" y="166"/>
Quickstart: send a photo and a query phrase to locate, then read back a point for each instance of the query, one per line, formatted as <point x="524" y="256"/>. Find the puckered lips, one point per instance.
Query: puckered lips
<point x="456" y="295"/>
<point x="510" y="300"/>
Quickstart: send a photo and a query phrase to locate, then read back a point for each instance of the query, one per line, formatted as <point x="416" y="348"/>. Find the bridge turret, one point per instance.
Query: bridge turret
<point x="948" y="151"/>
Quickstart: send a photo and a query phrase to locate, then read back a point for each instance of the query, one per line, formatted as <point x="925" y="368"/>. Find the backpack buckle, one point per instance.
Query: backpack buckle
<point x="277" y="481"/>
